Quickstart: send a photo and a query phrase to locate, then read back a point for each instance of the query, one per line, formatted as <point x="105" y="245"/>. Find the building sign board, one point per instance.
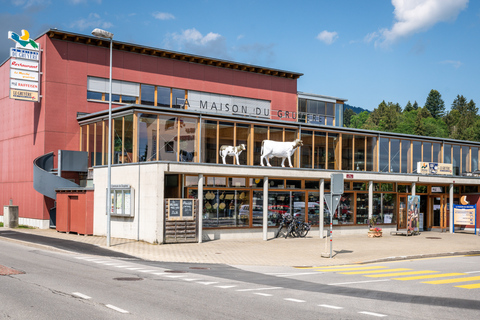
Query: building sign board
<point x="464" y="214"/>
<point x="23" y="85"/>
<point x="24" y="54"/>
<point x="227" y="105"/>
<point x="23" y="75"/>
<point x="24" y="64"/>
<point x="23" y="41"/>
<point x="434" y="168"/>
<point x="23" y="95"/>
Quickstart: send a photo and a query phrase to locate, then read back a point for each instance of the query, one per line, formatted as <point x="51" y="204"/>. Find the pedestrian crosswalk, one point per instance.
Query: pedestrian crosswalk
<point x="404" y="274"/>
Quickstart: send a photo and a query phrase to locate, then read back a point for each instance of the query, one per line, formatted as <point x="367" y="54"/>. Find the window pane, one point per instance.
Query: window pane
<point x="371" y="153"/>
<point x="321" y="107"/>
<point x="147" y="137"/>
<point x="259" y="134"/>
<point x="427" y="152"/>
<point x="128" y="140"/>
<point x="394" y="155"/>
<point x="291" y="135"/>
<point x="359" y="153"/>
<point x="436" y="152"/>
<point x="320" y="150"/>
<point x="209" y="141"/>
<point x="129" y="99"/>
<point x="332" y="147"/>
<point x="178" y="98"/>
<point x="456" y="160"/>
<point x="405" y="156"/>
<point x="148" y="95"/>
<point x="347" y="152"/>
<point x="417" y="153"/>
<point x="306" y="149"/>
<point x="447" y="153"/>
<point x="312" y="106"/>
<point x="243" y="133"/>
<point x="188" y="127"/>
<point x="94" y="95"/>
<point x="226" y="139"/>
<point x="98" y="143"/>
<point x="117" y="140"/>
<point x="330" y="109"/>
<point x="474" y="159"/>
<point x="163" y="97"/>
<point x="276" y="134"/>
<point x="167" y="138"/>
<point x="465" y="158"/>
<point x="383" y="155"/>
<point x="362" y="208"/>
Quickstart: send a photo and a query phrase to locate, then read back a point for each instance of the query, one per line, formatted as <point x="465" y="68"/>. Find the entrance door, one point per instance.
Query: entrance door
<point x="402" y="213"/>
<point x="439" y="206"/>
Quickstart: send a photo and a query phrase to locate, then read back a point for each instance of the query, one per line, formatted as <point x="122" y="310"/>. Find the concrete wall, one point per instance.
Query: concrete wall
<point x="147" y="180"/>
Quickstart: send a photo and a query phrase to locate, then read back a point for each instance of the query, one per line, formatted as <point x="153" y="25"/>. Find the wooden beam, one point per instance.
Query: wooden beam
<point x="89" y="41"/>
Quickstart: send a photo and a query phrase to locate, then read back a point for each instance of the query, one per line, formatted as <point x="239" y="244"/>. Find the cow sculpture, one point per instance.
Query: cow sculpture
<point x="282" y="150"/>
<point x="231" y="151"/>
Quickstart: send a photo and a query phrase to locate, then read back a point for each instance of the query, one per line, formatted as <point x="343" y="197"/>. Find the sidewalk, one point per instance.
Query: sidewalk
<point x="286" y="252"/>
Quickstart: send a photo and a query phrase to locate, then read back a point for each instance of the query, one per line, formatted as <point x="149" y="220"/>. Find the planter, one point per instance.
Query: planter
<point x="374" y="234"/>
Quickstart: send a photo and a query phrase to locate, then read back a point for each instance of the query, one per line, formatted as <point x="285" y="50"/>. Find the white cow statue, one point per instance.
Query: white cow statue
<point x="282" y="150"/>
<point x="231" y="151"/>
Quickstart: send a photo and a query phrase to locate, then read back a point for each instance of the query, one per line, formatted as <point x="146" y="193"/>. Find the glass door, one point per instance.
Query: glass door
<point x="439" y="211"/>
<point x="402" y="213"/>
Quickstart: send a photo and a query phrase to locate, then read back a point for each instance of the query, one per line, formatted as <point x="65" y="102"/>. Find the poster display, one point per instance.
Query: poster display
<point x="413" y="214"/>
<point x="465" y="215"/>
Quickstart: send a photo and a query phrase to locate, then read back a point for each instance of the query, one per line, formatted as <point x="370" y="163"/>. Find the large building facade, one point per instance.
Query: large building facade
<point x="172" y="113"/>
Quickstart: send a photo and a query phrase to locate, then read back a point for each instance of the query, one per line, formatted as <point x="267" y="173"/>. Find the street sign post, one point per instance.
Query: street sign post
<point x="332" y="199"/>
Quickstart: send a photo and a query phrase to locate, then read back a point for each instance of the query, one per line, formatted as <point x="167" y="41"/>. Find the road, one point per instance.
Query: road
<point x="52" y="284"/>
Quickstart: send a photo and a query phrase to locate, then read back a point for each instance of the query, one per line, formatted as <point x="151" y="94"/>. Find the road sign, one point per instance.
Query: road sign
<point x="332" y="200"/>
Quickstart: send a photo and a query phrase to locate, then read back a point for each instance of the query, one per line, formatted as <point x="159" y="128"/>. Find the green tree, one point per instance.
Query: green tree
<point x="347" y="115"/>
<point x="461" y="119"/>
<point x="408" y="107"/>
<point x="415" y="105"/>
<point x="358" y="120"/>
<point x="406" y="122"/>
<point x="435" y="104"/>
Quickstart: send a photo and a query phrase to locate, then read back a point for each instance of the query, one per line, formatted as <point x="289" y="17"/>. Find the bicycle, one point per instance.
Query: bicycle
<point x="285" y="223"/>
<point x="298" y="228"/>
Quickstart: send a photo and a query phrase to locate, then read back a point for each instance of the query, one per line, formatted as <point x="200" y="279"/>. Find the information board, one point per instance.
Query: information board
<point x="174" y="209"/>
<point x="465" y="215"/>
<point x="187" y="208"/>
<point x="180" y="209"/>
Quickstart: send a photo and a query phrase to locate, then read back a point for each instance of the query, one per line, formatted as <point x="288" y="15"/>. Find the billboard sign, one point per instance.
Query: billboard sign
<point x="434" y="168"/>
<point x="23" y="85"/>
<point x="24" y="64"/>
<point x="24" y="54"/>
<point x="23" y="95"/>
<point x="23" y="41"/>
<point x="23" y="75"/>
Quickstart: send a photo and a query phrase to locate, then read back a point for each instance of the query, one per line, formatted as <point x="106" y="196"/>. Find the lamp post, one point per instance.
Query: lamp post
<point x="108" y="35"/>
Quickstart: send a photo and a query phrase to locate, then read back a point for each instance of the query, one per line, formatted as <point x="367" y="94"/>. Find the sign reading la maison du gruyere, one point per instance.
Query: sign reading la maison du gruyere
<point x="24" y="67"/>
<point x="432" y="168"/>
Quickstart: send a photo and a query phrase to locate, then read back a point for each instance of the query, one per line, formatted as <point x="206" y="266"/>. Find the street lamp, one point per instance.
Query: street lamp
<point x="108" y="35"/>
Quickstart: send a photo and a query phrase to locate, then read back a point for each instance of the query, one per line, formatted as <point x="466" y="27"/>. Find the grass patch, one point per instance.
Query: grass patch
<point x="1" y="224"/>
<point x="25" y="227"/>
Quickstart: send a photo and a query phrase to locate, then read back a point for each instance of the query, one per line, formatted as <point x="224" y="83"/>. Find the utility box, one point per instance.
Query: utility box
<point x="10" y="216"/>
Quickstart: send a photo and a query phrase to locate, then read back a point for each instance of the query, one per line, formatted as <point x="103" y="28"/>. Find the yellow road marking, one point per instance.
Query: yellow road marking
<point x="454" y="280"/>
<point x="400" y="274"/>
<point x="470" y="286"/>
<point x="330" y="267"/>
<point x="431" y="276"/>
<point x="359" y="268"/>
<point x="375" y="271"/>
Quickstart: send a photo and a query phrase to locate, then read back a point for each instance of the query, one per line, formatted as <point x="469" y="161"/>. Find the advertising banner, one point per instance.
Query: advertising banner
<point x="24" y="64"/>
<point x="23" y="95"/>
<point x="413" y="214"/>
<point x="23" y="75"/>
<point x="23" y="85"/>
<point x="24" y="54"/>
<point x="433" y="168"/>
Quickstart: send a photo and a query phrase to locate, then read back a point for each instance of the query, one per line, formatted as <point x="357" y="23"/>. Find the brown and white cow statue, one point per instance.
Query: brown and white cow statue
<point x="282" y="150"/>
<point x="231" y="151"/>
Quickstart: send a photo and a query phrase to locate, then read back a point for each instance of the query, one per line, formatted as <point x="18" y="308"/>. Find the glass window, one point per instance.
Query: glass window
<point x="105" y="145"/>
<point x="384" y="146"/>
<point x="178" y="98"/>
<point x="276" y="134"/>
<point x="243" y="134"/>
<point x="345" y="210"/>
<point x="216" y="182"/>
<point x="359" y="153"/>
<point x="320" y="151"/>
<point x="117" y="140"/>
<point x="384" y="208"/>
<point x="293" y="184"/>
<point x="129" y="99"/>
<point x="147" y="137"/>
<point x="474" y="156"/>
<point x="347" y="152"/>
<point x="312" y="107"/>
<point x="291" y="135"/>
<point x="436" y="155"/>
<point x="465" y="159"/>
<point x="115" y="97"/>
<point x="456" y="160"/>
<point x="276" y="183"/>
<point x="257" y="209"/>
<point x="163" y="97"/>
<point x="255" y="182"/>
<point x="371" y="153"/>
<point x="98" y="143"/>
<point x="332" y="149"/>
<point x="225" y="208"/>
<point x="209" y="141"/>
<point x="360" y="186"/>
<point x="330" y="109"/>
<point x="321" y="107"/>
<point x="260" y="133"/>
<point x="417" y="153"/>
<point x="302" y="105"/>
<point x="362" y="208"/>
<point x="128" y="140"/>
<point x="306" y="149"/>
<point x="83" y="147"/>
<point x="427" y="152"/>
<point x="188" y="150"/>
<point x="225" y="138"/>
<point x="312" y="184"/>
<point x="405" y="156"/>
<point x="236" y="182"/>
<point x="148" y="94"/>
<point x="329" y="121"/>
<point x="192" y="181"/>
<point x="447" y="153"/>
<point x="167" y="138"/>
<point x="91" y="95"/>
<point x="394" y="155"/>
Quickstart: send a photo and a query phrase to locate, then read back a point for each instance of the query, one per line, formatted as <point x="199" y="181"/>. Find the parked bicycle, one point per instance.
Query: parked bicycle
<point x="292" y="227"/>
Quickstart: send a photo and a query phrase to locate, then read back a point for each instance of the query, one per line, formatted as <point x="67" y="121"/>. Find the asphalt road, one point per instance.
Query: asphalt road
<point x="53" y="284"/>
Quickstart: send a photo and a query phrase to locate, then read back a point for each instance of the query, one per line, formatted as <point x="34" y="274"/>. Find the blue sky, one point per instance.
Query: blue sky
<point x="363" y="51"/>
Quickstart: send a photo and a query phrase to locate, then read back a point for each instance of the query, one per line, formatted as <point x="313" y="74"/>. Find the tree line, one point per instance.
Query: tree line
<point x="462" y="121"/>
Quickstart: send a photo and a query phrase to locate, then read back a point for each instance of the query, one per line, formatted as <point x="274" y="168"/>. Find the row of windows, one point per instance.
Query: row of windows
<point x="152" y="137"/>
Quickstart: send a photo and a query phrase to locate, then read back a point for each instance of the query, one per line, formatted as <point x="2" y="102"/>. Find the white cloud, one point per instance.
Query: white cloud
<point x="93" y="21"/>
<point x="455" y="64"/>
<point x="414" y="16"/>
<point x="192" y="41"/>
<point x="163" y="16"/>
<point x="327" y="37"/>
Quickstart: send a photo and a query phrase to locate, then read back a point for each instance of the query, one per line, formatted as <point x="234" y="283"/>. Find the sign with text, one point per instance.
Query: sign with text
<point x="180" y="209"/>
<point x="464" y="214"/>
<point x="24" y="64"/>
<point x="23" y="85"/>
<point x="23" y="95"/>
<point x="24" y="54"/>
<point x="227" y="105"/>
<point x="434" y="168"/>
<point x="23" y="75"/>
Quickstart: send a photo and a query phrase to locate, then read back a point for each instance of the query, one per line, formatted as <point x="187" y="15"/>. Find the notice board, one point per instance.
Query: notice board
<point x="180" y="209"/>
